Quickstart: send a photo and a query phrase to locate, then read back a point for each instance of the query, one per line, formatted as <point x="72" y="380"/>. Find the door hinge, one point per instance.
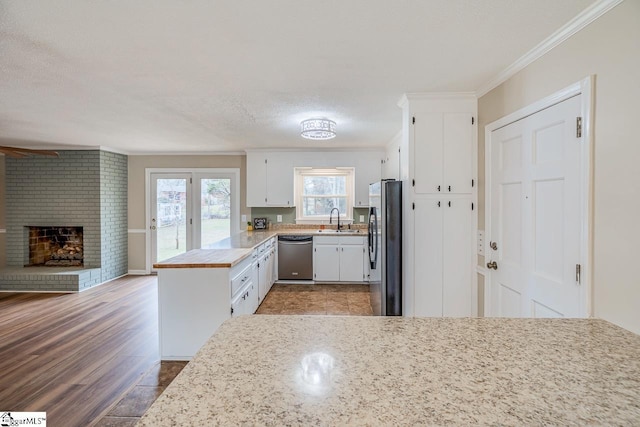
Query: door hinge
<point x="413" y="120"/>
<point x="190" y="221"/>
<point x="413" y="206"/>
<point x="578" y="273"/>
<point x="413" y="182"/>
<point x="231" y="310"/>
<point x="473" y="120"/>
<point x="265" y="200"/>
<point x="190" y="180"/>
<point x="265" y="161"/>
<point x="578" y="127"/>
<point x="473" y="182"/>
<point x="471" y="205"/>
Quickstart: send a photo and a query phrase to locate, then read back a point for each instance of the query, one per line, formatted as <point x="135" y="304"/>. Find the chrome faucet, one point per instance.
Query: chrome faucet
<point x="331" y="217"/>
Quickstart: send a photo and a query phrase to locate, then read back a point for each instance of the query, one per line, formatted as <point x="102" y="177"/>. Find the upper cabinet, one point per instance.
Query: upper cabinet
<point x="269" y="179"/>
<point x="443" y="149"/>
<point x="270" y="174"/>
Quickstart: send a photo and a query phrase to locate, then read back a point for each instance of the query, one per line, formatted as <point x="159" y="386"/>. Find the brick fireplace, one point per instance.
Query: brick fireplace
<point x="55" y="246"/>
<point x="78" y="204"/>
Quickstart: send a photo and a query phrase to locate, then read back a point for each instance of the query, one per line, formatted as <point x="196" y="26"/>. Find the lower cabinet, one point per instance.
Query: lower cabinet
<point x="339" y="258"/>
<point x="443" y="256"/>
<point x="266" y="255"/>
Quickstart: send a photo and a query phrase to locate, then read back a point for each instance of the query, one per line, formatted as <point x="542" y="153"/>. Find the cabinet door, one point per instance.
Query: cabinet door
<point x="368" y="170"/>
<point x="428" y="257"/>
<point x="326" y="263"/>
<point x="351" y="265"/>
<point x="427" y="159"/>
<point x="456" y="298"/>
<point x="252" y="298"/>
<point x="256" y="180"/>
<point x="458" y="150"/>
<point x="263" y="281"/>
<point x="279" y="180"/>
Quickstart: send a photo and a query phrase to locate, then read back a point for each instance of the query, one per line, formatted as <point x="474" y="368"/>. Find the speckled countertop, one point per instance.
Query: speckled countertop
<point x="334" y="371"/>
<point x="251" y="239"/>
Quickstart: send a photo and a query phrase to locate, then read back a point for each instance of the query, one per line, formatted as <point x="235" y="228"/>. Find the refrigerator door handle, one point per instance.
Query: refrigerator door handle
<point x="373" y="239"/>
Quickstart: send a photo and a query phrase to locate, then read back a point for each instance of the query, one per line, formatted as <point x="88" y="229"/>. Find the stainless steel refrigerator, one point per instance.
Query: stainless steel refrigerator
<point x="385" y="247"/>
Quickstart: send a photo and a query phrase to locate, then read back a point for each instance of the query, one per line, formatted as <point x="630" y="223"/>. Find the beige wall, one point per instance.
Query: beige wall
<point x="3" y="222"/>
<point x="137" y="166"/>
<point x="609" y="48"/>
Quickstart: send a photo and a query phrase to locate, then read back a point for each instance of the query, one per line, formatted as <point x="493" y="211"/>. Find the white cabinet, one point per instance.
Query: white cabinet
<point x="326" y="261"/>
<point x="269" y="179"/>
<point x="266" y="273"/>
<point x="338" y="259"/>
<point x="443" y="273"/>
<point x="443" y="147"/>
<point x="256" y="180"/>
<point x="279" y="180"/>
<point x="351" y="265"/>
<point x="439" y="198"/>
<point x="368" y="170"/>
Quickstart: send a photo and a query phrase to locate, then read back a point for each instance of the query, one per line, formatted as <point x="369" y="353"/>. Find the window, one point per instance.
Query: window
<point x="318" y="191"/>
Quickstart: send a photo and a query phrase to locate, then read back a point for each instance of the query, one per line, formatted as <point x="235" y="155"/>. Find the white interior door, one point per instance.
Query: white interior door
<point x="535" y="214"/>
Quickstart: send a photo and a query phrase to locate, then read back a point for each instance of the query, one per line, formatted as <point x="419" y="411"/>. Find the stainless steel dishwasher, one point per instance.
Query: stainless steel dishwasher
<point x="295" y="257"/>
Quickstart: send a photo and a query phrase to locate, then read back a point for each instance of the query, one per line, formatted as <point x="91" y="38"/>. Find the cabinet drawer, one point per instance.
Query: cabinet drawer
<point x="241" y="279"/>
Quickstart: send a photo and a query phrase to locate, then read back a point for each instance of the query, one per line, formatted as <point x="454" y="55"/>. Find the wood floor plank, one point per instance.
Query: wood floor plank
<point x="75" y="355"/>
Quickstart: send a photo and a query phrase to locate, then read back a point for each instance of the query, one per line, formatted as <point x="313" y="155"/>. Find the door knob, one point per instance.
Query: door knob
<point x="492" y="265"/>
<point x="493" y="246"/>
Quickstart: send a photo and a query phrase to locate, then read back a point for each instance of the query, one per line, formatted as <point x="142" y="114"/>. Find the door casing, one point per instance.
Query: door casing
<point x="585" y="89"/>
<point x="236" y="225"/>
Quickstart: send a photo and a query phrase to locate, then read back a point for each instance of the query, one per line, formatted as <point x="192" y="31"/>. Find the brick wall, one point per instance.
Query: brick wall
<point x="113" y="214"/>
<point x="80" y="188"/>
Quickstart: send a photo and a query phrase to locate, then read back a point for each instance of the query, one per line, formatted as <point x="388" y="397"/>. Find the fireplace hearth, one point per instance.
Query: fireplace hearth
<point x="55" y="246"/>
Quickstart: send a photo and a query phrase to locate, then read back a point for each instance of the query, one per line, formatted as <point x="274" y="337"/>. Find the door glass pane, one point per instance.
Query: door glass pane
<point x="171" y="217"/>
<point x="215" y="210"/>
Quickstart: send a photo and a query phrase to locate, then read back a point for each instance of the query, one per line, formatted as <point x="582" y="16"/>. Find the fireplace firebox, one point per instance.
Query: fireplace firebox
<point x="55" y="246"/>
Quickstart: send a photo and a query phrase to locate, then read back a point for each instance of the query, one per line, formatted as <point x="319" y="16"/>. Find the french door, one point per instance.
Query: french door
<point x="191" y="210"/>
<point x="536" y="215"/>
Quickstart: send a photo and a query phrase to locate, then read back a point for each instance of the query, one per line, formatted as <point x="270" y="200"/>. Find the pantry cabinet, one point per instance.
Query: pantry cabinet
<point x="442" y="155"/>
<point x="440" y="202"/>
<point x="443" y="273"/>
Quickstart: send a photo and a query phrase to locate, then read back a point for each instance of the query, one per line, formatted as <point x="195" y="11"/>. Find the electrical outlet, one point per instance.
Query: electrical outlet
<point x="361" y="218"/>
<point x="279" y="218"/>
<point x="244" y="219"/>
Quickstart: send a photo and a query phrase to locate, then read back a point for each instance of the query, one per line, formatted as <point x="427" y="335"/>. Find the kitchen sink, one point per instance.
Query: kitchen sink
<point x="339" y="231"/>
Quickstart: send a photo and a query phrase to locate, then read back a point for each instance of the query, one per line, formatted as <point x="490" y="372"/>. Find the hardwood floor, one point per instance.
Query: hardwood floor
<point x="75" y="355"/>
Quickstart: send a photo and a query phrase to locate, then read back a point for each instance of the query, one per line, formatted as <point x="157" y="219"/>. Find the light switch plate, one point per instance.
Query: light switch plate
<point x="244" y="219"/>
<point x="361" y="218"/>
<point x="279" y="218"/>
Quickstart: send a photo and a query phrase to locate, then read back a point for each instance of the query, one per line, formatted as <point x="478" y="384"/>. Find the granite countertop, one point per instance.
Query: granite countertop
<point x="323" y="370"/>
<point x="230" y="251"/>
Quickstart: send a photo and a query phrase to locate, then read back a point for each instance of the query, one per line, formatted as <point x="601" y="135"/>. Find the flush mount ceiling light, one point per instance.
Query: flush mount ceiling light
<point x="318" y="128"/>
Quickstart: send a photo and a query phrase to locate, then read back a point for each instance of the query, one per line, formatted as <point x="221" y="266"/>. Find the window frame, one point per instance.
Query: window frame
<point x="301" y="172"/>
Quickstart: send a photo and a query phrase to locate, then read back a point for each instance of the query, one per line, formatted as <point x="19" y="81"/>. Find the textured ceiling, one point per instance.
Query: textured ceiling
<point x="211" y="76"/>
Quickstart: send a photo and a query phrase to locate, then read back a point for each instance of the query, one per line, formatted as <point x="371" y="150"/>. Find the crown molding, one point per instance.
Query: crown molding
<point x="416" y="96"/>
<point x="186" y="153"/>
<point x="586" y="17"/>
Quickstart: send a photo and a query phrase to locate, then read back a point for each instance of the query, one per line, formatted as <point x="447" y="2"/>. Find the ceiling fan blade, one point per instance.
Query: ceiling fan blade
<point x="25" y="152"/>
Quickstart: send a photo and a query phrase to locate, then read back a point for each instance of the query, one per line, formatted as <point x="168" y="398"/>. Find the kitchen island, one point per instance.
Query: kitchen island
<point x="313" y="370"/>
<point x="200" y="289"/>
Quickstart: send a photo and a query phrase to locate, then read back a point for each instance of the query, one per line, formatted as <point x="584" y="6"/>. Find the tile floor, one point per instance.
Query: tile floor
<point x="332" y="299"/>
<point x="135" y="403"/>
<point x="328" y="299"/>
